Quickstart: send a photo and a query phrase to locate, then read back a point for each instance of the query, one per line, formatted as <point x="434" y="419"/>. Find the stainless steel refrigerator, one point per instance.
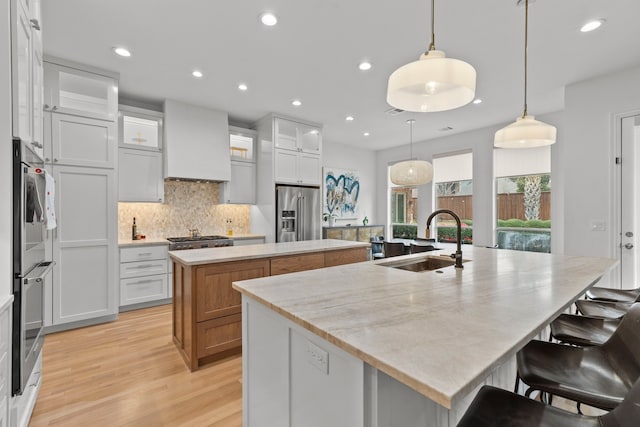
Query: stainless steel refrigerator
<point x="298" y="215"/>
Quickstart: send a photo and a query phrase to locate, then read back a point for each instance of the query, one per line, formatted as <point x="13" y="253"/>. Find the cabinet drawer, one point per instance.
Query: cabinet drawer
<point x="143" y="253"/>
<point x="345" y="256"/>
<point x="148" y="288"/>
<point x="220" y="334"/>
<point x="293" y="263"/>
<point x="142" y="268"/>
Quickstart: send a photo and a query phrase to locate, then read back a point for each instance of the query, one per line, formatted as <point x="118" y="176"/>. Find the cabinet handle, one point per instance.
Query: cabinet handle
<point x="55" y="160"/>
<point x="140" y="282"/>
<point x="35" y="24"/>
<point x="46" y="107"/>
<point x="144" y="266"/>
<point x="54" y="108"/>
<point x="145" y="253"/>
<point x="46" y="159"/>
<point x="36" y="144"/>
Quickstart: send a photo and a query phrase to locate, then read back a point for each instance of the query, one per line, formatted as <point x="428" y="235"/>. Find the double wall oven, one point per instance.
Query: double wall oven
<point x="29" y="264"/>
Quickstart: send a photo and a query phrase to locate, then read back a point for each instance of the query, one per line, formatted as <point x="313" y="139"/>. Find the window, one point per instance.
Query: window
<point x="523" y="205"/>
<point x="452" y="177"/>
<point x="404" y="202"/>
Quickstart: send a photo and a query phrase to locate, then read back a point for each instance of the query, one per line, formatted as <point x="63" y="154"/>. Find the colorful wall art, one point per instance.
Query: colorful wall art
<point x="341" y="189"/>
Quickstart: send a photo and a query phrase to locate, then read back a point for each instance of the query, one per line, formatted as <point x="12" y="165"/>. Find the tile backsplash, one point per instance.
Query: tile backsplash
<point x="186" y="205"/>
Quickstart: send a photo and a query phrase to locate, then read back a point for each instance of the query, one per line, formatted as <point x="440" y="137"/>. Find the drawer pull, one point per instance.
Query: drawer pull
<point x="145" y="254"/>
<point x="143" y="266"/>
<point x="139" y="282"/>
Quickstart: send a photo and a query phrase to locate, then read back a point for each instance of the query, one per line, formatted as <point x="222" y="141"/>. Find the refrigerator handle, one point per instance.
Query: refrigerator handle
<point x="303" y="226"/>
<point x="299" y="218"/>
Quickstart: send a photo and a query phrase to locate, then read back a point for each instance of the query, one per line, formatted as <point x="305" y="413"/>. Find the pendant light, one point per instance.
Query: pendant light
<point x="526" y="131"/>
<point x="433" y="82"/>
<point x="411" y="172"/>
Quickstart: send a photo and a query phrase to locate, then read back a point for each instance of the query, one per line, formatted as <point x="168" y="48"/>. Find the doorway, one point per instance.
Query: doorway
<point x="628" y="188"/>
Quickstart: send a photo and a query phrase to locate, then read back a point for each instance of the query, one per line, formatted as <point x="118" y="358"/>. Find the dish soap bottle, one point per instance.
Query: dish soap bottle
<point x="134" y="229"/>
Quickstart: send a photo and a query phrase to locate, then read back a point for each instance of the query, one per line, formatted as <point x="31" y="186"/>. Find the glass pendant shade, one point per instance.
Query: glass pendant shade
<point x="411" y="172"/>
<point x="525" y="132"/>
<point x="432" y="83"/>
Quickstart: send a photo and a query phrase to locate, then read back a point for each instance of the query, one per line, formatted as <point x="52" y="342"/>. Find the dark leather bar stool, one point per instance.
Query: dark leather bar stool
<point x="392" y="249"/>
<point x="614" y="295"/>
<point x="377" y="248"/>
<point x="421" y="248"/>
<point x="611" y="310"/>
<point x="599" y="376"/>
<point x="494" y="407"/>
<point x="582" y="330"/>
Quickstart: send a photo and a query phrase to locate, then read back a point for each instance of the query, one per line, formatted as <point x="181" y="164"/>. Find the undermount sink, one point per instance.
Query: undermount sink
<point x="428" y="263"/>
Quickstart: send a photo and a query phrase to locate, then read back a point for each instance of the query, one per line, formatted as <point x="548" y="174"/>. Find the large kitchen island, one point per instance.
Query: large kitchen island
<point x="375" y="344"/>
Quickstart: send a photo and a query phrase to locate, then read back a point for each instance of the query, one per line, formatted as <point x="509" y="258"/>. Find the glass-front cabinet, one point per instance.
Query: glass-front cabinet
<point x="79" y="92"/>
<point x="291" y="135"/>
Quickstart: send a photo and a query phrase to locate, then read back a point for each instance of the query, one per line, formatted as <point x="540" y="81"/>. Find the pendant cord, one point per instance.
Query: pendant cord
<point x="432" y="45"/>
<point x="526" y="36"/>
<point x="410" y="121"/>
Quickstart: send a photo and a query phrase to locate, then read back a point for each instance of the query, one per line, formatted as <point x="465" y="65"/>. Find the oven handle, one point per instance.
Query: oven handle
<point x="38" y="273"/>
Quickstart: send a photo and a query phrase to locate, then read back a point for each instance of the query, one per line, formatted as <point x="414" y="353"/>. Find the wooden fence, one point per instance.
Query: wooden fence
<point x="510" y="205"/>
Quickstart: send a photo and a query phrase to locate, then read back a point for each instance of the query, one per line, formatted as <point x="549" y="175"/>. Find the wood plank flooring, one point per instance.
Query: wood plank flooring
<point x="129" y="373"/>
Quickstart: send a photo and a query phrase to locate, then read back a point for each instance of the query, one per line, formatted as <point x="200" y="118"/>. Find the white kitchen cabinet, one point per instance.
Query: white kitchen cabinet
<point x="140" y="161"/>
<point x="296" y="136"/>
<point x="297" y="167"/>
<point x="5" y="358"/>
<point x="143" y="274"/>
<point x="81" y="141"/>
<point x="140" y="176"/>
<point x="84" y="244"/>
<point x="80" y="153"/>
<point x="79" y="90"/>
<point x="26" y="66"/>
<point x="196" y="142"/>
<point x="241" y="189"/>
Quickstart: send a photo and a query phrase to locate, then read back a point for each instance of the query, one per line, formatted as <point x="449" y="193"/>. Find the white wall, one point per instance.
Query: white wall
<point x="335" y="155"/>
<point x="5" y="151"/>
<point x="588" y="157"/>
<point x="480" y="142"/>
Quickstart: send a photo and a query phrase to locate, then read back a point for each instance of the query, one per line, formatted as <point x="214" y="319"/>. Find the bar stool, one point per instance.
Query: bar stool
<point x="582" y="330"/>
<point x="421" y="248"/>
<point x="494" y="407"/>
<point x="598" y="376"/>
<point x="611" y="310"/>
<point x="392" y="249"/>
<point x="377" y="248"/>
<point x="614" y="295"/>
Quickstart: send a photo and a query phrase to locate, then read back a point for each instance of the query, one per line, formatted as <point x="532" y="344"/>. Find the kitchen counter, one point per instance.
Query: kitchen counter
<point x="436" y="334"/>
<point x="267" y="250"/>
<point x="142" y="242"/>
<point x="246" y="236"/>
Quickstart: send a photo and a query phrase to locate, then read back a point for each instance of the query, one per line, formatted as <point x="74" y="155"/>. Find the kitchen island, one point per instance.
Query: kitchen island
<point x="372" y="345"/>
<point x="207" y="311"/>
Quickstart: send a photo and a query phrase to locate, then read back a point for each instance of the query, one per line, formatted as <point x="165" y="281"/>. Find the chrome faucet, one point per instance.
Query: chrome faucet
<point x="458" y="255"/>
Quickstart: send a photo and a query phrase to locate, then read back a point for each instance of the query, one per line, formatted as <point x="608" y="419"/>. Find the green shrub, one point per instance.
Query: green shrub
<point x="469" y="222"/>
<point x="518" y="223"/>
<point x="450" y="234"/>
<point x="404" y="231"/>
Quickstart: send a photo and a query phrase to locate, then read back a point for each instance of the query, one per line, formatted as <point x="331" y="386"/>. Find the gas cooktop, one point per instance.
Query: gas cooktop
<point x="195" y="239"/>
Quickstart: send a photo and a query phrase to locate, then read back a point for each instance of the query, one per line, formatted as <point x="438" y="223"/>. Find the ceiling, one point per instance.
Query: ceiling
<point x="313" y="53"/>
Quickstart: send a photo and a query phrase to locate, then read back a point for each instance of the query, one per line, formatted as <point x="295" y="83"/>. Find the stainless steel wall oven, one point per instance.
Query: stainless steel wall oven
<point x="29" y="265"/>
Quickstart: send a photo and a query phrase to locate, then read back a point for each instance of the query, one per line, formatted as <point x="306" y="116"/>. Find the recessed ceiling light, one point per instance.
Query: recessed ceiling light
<point x="242" y="87"/>
<point x="296" y="103"/>
<point x="477" y="101"/>
<point x="364" y="66"/>
<point x="268" y="19"/>
<point x="196" y="73"/>
<point x="349" y="118"/>
<point x="592" y="25"/>
<point x="366" y="134"/>
<point x="122" y="51"/>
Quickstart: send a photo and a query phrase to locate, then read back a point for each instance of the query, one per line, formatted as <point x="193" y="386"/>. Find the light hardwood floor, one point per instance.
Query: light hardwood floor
<point x="129" y="373"/>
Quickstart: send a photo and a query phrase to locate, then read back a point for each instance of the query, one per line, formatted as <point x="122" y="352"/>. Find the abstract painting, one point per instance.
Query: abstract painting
<point x="341" y="189"/>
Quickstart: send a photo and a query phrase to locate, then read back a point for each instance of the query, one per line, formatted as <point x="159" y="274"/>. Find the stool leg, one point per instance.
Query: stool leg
<point x="515" y="390"/>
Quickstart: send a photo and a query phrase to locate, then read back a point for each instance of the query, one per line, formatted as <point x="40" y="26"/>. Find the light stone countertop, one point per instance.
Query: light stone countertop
<point x="238" y="253"/>
<point x="442" y="333"/>
<point x="142" y="242"/>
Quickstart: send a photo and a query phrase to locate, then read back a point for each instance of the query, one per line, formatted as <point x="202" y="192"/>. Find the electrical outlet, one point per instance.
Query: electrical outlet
<point x="318" y="357"/>
<point x="598" y="225"/>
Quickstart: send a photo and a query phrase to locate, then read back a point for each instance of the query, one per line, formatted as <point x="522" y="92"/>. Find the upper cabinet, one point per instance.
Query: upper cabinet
<point x="241" y="188"/>
<point x="196" y="142"/>
<point x="297" y="152"/>
<point x="291" y="135"/>
<point x="140" y="164"/>
<point x="78" y="92"/>
<point x="26" y="66"/>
